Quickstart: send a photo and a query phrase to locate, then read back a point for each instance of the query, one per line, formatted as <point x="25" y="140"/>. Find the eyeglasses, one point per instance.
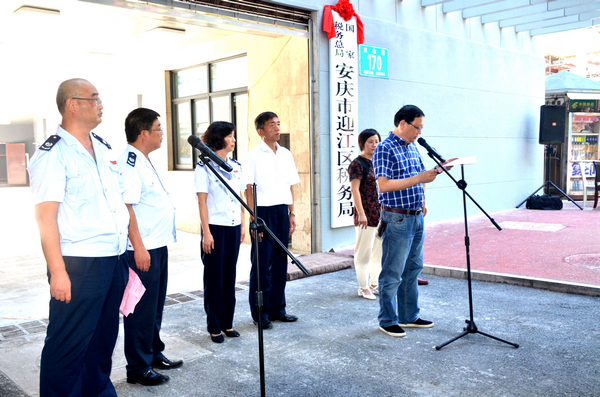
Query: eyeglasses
<point x="97" y="100"/>
<point x="417" y="128"/>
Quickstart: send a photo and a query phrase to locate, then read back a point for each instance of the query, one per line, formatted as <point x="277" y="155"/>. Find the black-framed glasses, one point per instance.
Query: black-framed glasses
<point x="417" y="128"/>
<point x="97" y="100"/>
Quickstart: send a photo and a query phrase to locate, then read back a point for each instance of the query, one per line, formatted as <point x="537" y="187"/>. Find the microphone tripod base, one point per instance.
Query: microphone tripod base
<point x="471" y="328"/>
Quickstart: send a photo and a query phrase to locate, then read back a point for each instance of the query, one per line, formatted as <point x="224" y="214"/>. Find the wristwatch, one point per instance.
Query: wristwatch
<point x="291" y="213"/>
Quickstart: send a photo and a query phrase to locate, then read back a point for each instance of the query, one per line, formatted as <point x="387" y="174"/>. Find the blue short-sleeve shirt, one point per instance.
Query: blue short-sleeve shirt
<point x="92" y="218"/>
<point x="154" y="210"/>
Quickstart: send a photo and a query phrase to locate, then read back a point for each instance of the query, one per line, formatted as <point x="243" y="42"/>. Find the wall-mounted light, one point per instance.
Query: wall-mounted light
<point x="36" y="9"/>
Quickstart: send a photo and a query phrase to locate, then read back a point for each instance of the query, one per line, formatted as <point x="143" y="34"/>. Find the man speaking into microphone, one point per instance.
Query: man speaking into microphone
<point x="401" y="176"/>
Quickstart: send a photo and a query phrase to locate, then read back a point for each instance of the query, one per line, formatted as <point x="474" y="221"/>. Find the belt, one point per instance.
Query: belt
<point x="401" y="211"/>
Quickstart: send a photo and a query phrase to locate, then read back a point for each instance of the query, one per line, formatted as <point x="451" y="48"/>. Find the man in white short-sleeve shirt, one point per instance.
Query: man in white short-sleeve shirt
<point x="271" y="167"/>
<point x="152" y="227"/>
<point x="83" y="222"/>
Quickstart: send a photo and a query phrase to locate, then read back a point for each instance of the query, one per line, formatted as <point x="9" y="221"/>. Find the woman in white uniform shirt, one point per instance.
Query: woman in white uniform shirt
<point x="222" y="225"/>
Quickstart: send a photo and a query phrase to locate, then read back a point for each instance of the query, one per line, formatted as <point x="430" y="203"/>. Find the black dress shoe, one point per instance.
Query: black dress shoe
<point x="266" y="324"/>
<point x="231" y="334"/>
<point x="165" y="363"/>
<point x="286" y="318"/>
<point x="217" y="339"/>
<point x="149" y="378"/>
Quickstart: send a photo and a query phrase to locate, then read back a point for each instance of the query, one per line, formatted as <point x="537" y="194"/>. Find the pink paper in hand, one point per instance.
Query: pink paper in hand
<point x="133" y="293"/>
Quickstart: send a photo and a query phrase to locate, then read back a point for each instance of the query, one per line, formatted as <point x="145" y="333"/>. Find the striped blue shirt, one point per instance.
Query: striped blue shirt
<point x="394" y="159"/>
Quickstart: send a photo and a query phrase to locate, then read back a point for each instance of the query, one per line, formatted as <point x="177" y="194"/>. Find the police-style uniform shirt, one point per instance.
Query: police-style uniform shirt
<point x="144" y="190"/>
<point x="395" y="159"/>
<point x="92" y="217"/>
<point x="223" y="207"/>
<point x="273" y="173"/>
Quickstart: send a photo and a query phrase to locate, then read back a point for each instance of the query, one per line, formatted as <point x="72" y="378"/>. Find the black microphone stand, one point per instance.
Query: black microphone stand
<point x="257" y="225"/>
<point x="471" y="327"/>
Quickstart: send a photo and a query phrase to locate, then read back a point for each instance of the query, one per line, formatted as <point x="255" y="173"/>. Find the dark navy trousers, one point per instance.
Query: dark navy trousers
<point x="219" y="277"/>
<point x="81" y="335"/>
<point x="273" y="263"/>
<point x="142" y="327"/>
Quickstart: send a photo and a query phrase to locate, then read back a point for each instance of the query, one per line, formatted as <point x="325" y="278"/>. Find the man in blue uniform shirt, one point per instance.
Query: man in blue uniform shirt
<point x="83" y="228"/>
<point x="152" y="227"/>
<point x="401" y="177"/>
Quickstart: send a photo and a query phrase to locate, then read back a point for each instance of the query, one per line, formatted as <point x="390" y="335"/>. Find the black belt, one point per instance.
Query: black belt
<point x="402" y="211"/>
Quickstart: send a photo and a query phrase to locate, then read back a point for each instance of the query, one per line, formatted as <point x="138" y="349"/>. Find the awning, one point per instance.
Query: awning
<point x="538" y="17"/>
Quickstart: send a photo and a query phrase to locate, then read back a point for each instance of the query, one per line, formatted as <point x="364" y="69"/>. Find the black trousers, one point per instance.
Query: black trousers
<point x="273" y="263"/>
<point x="142" y="327"/>
<point x="77" y="354"/>
<point x="219" y="277"/>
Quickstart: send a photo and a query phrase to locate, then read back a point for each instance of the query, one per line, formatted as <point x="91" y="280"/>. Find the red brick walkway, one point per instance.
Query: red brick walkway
<point x="571" y="254"/>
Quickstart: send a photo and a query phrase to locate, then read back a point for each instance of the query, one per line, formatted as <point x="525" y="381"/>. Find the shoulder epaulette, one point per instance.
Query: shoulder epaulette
<point x="101" y="140"/>
<point x="131" y="159"/>
<point x="50" y="142"/>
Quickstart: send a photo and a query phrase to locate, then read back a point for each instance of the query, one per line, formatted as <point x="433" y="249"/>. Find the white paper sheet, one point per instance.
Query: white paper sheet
<point x="464" y="160"/>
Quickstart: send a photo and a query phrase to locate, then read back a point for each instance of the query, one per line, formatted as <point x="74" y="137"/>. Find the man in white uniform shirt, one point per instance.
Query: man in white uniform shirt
<point x="83" y="224"/>
<point x="152" y="227"/>
<point x="272" y="168"/>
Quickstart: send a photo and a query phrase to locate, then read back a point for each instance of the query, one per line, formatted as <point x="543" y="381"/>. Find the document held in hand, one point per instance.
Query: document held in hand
<point x="462" y="161"/>
<point x="133" y="293"/>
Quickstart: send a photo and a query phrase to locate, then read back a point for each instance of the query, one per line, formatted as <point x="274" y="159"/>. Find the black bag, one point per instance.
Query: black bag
<point x="544" y="202"/>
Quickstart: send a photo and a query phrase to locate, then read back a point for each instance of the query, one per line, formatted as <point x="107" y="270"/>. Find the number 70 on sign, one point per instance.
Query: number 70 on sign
<point x="373" y="61"/>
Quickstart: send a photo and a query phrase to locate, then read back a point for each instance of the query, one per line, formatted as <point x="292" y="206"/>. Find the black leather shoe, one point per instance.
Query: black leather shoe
<point x="149" y="378"/>
<point x="266" y="324"/>
<point x="217" y="339"/>
<point x="286" y="318"/>
<point x="165" y="363"/>
<point x="231" y="334"/>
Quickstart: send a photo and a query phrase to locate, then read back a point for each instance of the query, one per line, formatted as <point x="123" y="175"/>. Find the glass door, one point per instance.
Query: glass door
<point x="584" y="131"/>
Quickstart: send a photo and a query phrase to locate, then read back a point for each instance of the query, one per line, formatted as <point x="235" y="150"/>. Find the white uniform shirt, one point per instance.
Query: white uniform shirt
<point x="92" y="218"/>
<point x="273" y="173"/>
<point x="223" y="207"/>
<point x="154" y="210"/>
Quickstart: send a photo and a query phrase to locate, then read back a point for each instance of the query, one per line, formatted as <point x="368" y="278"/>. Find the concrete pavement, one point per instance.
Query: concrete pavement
<point x="336" y="348"/>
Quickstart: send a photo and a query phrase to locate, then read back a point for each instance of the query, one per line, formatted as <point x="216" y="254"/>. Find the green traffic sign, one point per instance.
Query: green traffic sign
<point x="373" y="61"/>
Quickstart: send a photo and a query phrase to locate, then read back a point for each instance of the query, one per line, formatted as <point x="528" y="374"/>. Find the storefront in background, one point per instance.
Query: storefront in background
<point x="572" y="163"/>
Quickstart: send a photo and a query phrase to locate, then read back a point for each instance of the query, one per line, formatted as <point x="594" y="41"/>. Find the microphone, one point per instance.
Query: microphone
<point x="432" y="151"/>
<point x="205" y="150"/>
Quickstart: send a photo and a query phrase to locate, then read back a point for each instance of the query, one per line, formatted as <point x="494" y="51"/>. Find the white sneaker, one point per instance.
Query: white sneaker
<point x="366" y="293"/>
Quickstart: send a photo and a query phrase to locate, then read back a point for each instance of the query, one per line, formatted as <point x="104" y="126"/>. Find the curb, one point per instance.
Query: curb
<point x="531" y="282"/>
